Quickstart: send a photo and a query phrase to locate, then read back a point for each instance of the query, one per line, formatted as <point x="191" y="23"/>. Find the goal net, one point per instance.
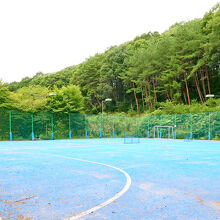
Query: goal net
<point x="187" y="137"/>
<point x="131" y="139"/>
<point x="163" y="132"/>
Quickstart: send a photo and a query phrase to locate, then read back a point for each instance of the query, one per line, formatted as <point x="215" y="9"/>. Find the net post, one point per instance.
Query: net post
<point x="113" y="122"/>
<point x="100" y="117"/>
<point x="32" y="125"/>
<point x="85" y="126"/>
<point x="209" y="126"/>
<point x="69" y="126"/>
<point x="52" y="126"/>
<point x="10" y="126"/>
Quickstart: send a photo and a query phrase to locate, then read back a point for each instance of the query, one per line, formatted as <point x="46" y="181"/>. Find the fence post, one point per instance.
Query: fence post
<point x="113" y="126"/>
<point x="32" y="125"/>
<point x="52" y="126"/>
<point x="10" y="126"/>
<point x="148" y="132"/>
<point x="160" y="127"/>
<point x="70" y="126"/>
<point x="85" y="126"/>
<point x="125" y="127"/>
<point x="137" y="125"/>
<point x="100" y="126"/>
<point x="191" y="135"/>
<point x="209" y="126"/>
<point x="175" y="126"/>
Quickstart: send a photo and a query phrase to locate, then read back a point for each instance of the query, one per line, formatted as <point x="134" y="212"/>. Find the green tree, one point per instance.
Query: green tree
<point x="178" y="66"/>
<point x="5" y="97"/>
<point x="87" y="77"/>
<point x="67" y="100"/>
<point x="114" y="66"/>
<point x="31" y="99"/>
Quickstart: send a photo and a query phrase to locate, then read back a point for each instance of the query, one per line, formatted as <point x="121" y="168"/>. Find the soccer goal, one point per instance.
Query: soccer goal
<point x="131" y="139"/>
<point x="188" y="137"/>
<point x="163" y="132"/>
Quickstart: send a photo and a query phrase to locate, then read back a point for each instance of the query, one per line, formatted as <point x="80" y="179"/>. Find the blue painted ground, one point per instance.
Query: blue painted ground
<point x="170" y="179"/>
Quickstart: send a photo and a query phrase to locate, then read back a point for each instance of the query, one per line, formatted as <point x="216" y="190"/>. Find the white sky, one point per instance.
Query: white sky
<point x="49" y="35"/>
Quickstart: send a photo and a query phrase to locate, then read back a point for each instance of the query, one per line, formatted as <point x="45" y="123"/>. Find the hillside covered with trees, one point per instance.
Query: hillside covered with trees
<point x="155" y="73"/>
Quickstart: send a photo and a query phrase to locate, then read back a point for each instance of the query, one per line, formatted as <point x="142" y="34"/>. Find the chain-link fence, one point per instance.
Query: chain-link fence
<point x="15" y="125"/>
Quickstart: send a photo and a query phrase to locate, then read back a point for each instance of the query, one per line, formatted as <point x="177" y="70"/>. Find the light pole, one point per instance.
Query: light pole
<point x="106" y="100"/>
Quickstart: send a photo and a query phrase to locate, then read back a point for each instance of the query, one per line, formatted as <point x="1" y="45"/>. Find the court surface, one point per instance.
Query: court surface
<point x="107" y="179"/>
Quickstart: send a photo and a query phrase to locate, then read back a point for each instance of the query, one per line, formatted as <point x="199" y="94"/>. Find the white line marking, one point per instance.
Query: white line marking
<point x="107" y="202"/>
<point x="116" y="196"/>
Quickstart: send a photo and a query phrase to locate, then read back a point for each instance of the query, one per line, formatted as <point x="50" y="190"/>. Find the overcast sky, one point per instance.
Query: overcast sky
<point x="49" y="35"/>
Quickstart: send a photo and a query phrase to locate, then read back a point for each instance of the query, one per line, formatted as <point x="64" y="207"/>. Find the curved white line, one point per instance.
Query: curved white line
<point x="116" y="196"/>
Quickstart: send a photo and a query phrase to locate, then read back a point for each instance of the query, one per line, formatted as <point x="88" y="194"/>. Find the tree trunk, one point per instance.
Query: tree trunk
<point x="155" y="95"/>
<point x="131" y="105"/>
<point x="149" y="95"/>
<point x="207" y="77"/>
<point x="184" y="95"/>
<point x="98" y="100"/>
<point x="171" y="95"/>
<point x="136" y="100"/>
<point x="167" y="95"/>
<point x="142" y="98"/>
<point x="203" y="81"/>
<point x="187" y="89"/>
<point x="197" y="87"/>
<point x="149" y="103"/>
<point x="146" y="94"/>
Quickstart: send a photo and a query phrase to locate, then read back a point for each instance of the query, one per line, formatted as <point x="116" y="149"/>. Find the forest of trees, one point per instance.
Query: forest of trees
<point x="160" y="73"/>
